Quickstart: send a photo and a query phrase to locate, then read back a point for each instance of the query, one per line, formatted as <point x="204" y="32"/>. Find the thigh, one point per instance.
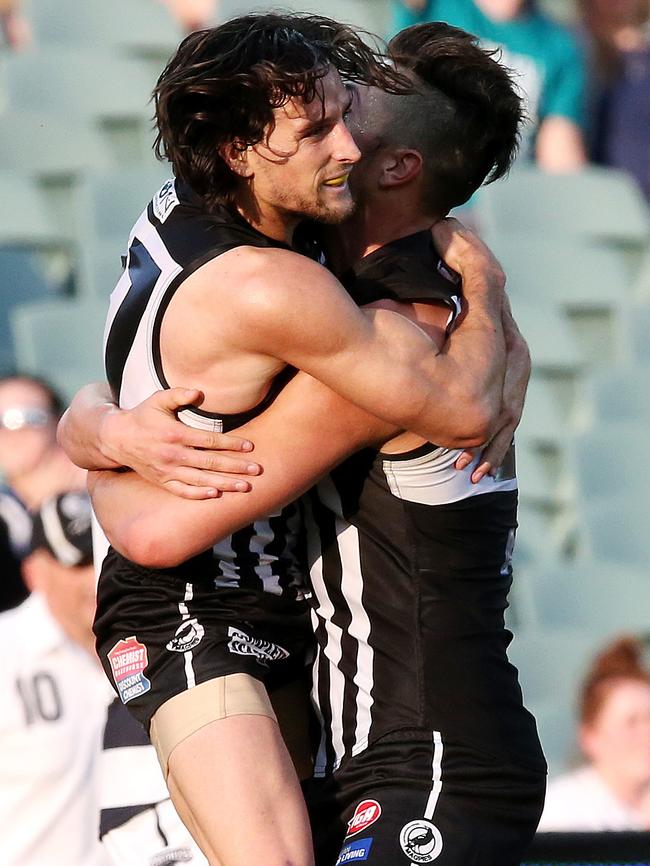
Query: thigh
<point x="236" y="780"/>
<point x="421" y="801"/>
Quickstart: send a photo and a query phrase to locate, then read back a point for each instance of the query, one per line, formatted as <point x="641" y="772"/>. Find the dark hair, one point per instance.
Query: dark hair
<point x="55" y="400"/>
<point x="465" y="119"/>
<point x="620" y="661"/>
<point x="223" y="83"/>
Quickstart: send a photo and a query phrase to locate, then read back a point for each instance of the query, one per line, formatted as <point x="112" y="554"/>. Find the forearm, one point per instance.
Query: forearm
<point x="81" y="428"/>
<point x="307" y="431"/>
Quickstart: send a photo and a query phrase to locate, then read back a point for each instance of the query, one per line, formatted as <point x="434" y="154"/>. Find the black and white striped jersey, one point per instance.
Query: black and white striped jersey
<point x="410" y="571"/>
<point x="173" y="237"/>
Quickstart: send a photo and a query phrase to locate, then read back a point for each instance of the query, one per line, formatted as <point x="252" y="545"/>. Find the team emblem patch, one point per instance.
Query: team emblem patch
<point x="264" y="651"/>
<point x="165" y="201"/>
<point x="188" y="635"/>
<point x="128" y="660"/>
<point x="366" y="813"/>
<point x="355" y="852"/>
<point x="421" y="841"/>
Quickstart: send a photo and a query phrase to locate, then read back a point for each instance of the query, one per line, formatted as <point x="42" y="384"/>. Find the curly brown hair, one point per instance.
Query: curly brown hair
<point x="223" y="84"/>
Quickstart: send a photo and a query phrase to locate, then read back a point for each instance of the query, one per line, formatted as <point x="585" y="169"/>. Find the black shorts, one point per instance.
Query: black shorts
<point x="411" y="798"/>
<point x="158" y="636"/>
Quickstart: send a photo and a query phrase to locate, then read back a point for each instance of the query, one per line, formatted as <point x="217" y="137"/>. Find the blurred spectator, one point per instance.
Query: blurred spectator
<point x="54" y="697"/>
<point x="15" y="27"/>
<point x="612" y="791"/>
<point x="15" y="535"/>
<point x="544" y="54"/>
<point x="193" y="14"/>
<point x="619" y="47"/>
<point x="31" y="461"/>
<point x="139" y="825"/>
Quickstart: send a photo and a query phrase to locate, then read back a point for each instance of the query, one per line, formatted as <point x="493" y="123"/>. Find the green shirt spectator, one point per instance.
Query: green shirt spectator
<point x="542" y="52"/>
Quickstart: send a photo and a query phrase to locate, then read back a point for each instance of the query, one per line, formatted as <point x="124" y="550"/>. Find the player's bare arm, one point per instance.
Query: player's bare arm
<point x="307" y="430"/>
<point x="149" y="429"/>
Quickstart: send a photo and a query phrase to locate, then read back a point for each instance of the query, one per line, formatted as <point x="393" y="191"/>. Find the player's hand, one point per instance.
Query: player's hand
<point x="191" y="463"/>
<point x="465" y="253"/>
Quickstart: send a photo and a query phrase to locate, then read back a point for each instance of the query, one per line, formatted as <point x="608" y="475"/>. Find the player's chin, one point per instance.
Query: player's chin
<point x="333" y="212"/>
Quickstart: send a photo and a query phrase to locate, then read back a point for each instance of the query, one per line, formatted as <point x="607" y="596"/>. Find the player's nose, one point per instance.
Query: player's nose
<point x="345" y="148"/>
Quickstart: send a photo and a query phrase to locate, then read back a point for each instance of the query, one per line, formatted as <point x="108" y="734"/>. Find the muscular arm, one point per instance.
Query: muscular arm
<point x="381" y="362"/>
<point x="307" y="430"/>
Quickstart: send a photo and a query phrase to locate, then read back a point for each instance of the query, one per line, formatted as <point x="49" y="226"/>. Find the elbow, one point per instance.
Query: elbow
<point x="471" y="426"/>
<point x="139" y="542"/>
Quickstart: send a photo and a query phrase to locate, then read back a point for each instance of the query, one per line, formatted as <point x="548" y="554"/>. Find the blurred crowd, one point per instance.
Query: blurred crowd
<point x="587" y="86"/>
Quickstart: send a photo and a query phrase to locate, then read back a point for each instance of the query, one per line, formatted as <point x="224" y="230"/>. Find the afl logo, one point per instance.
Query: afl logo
<point x="421" y="841"/>
<point x="188" y="635"/>
<point x="366" y="813"/>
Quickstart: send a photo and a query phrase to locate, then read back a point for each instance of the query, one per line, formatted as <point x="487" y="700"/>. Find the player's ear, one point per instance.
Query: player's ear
<point x="235" y="155"/>
<point x="399" y="167"/>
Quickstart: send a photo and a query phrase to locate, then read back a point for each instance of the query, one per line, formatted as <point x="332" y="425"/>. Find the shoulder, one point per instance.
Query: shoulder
<point x="261" y="280"/>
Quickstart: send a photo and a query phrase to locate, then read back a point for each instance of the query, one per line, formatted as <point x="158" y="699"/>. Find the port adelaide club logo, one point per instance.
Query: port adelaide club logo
<point x="188" y="635"/>
<point x="421" y="841"/>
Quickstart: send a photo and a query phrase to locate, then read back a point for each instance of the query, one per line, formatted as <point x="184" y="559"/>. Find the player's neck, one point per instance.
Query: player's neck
<point x="276" y="224"/>
<point x="374" y="225"/>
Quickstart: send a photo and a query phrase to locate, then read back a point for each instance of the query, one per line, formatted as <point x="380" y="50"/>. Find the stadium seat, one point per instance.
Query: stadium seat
<point x="60" y="339"/>
<point x="603" y="595"/>
<point x="620" y="394"/>
<point x="24" y="217"/>
<point x="597" y="203"/>
<point x="585" y="280"/>
<point x="131" y="28"/>
<point x="553" y="347"/>
<point x="543" y="422"/>
<point x="638" y="328"/>
<point x="45" y="145"/>
<point x="551" y="661"/>
<point x="618" y="528"/>
<point x="23" y="278"/>
<point x="612" y="460"/>
<point x="556" y="724"/>
<point x="112" y="93"/>
<point x="108" y="204"/>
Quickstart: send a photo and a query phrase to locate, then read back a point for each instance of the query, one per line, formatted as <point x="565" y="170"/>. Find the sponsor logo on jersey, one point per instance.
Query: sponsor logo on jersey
<point x="128" y="659"/>
<point x="264" y="651"/>
<point x="354" y="852"/>
<point x="421" y="841"/>
<point x="188" y="635"/>
<point x="172" y="856"/>
<point x="165" y="201"/>
<point x="366" y="813"/>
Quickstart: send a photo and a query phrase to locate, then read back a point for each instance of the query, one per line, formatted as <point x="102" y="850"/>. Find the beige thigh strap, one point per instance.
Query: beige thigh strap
<point x="184" y="714"/>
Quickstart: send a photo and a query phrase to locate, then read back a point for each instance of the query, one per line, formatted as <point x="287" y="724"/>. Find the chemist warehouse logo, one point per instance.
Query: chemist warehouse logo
<point x="128" y="659"/>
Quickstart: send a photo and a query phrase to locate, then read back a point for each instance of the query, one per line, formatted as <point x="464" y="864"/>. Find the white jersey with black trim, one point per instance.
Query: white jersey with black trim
<point x="410" y="571"/>
<point x="172" y="238"/>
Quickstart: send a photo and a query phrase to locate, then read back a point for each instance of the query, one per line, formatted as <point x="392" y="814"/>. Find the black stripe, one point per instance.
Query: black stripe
<point x="246" y="561"/>
<point x="110" y="819"/>
<point x="143" y="274"/>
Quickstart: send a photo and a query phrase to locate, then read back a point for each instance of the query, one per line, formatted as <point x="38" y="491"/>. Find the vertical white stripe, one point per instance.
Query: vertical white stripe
<point x="332" y="652"/>
<point x="352" y="587"/>
<point x="436" y="776"/>
<point x="189" y="666"/>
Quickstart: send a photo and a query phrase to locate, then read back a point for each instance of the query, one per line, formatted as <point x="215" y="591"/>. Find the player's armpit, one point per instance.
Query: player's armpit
<point x="307" y="430"/>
